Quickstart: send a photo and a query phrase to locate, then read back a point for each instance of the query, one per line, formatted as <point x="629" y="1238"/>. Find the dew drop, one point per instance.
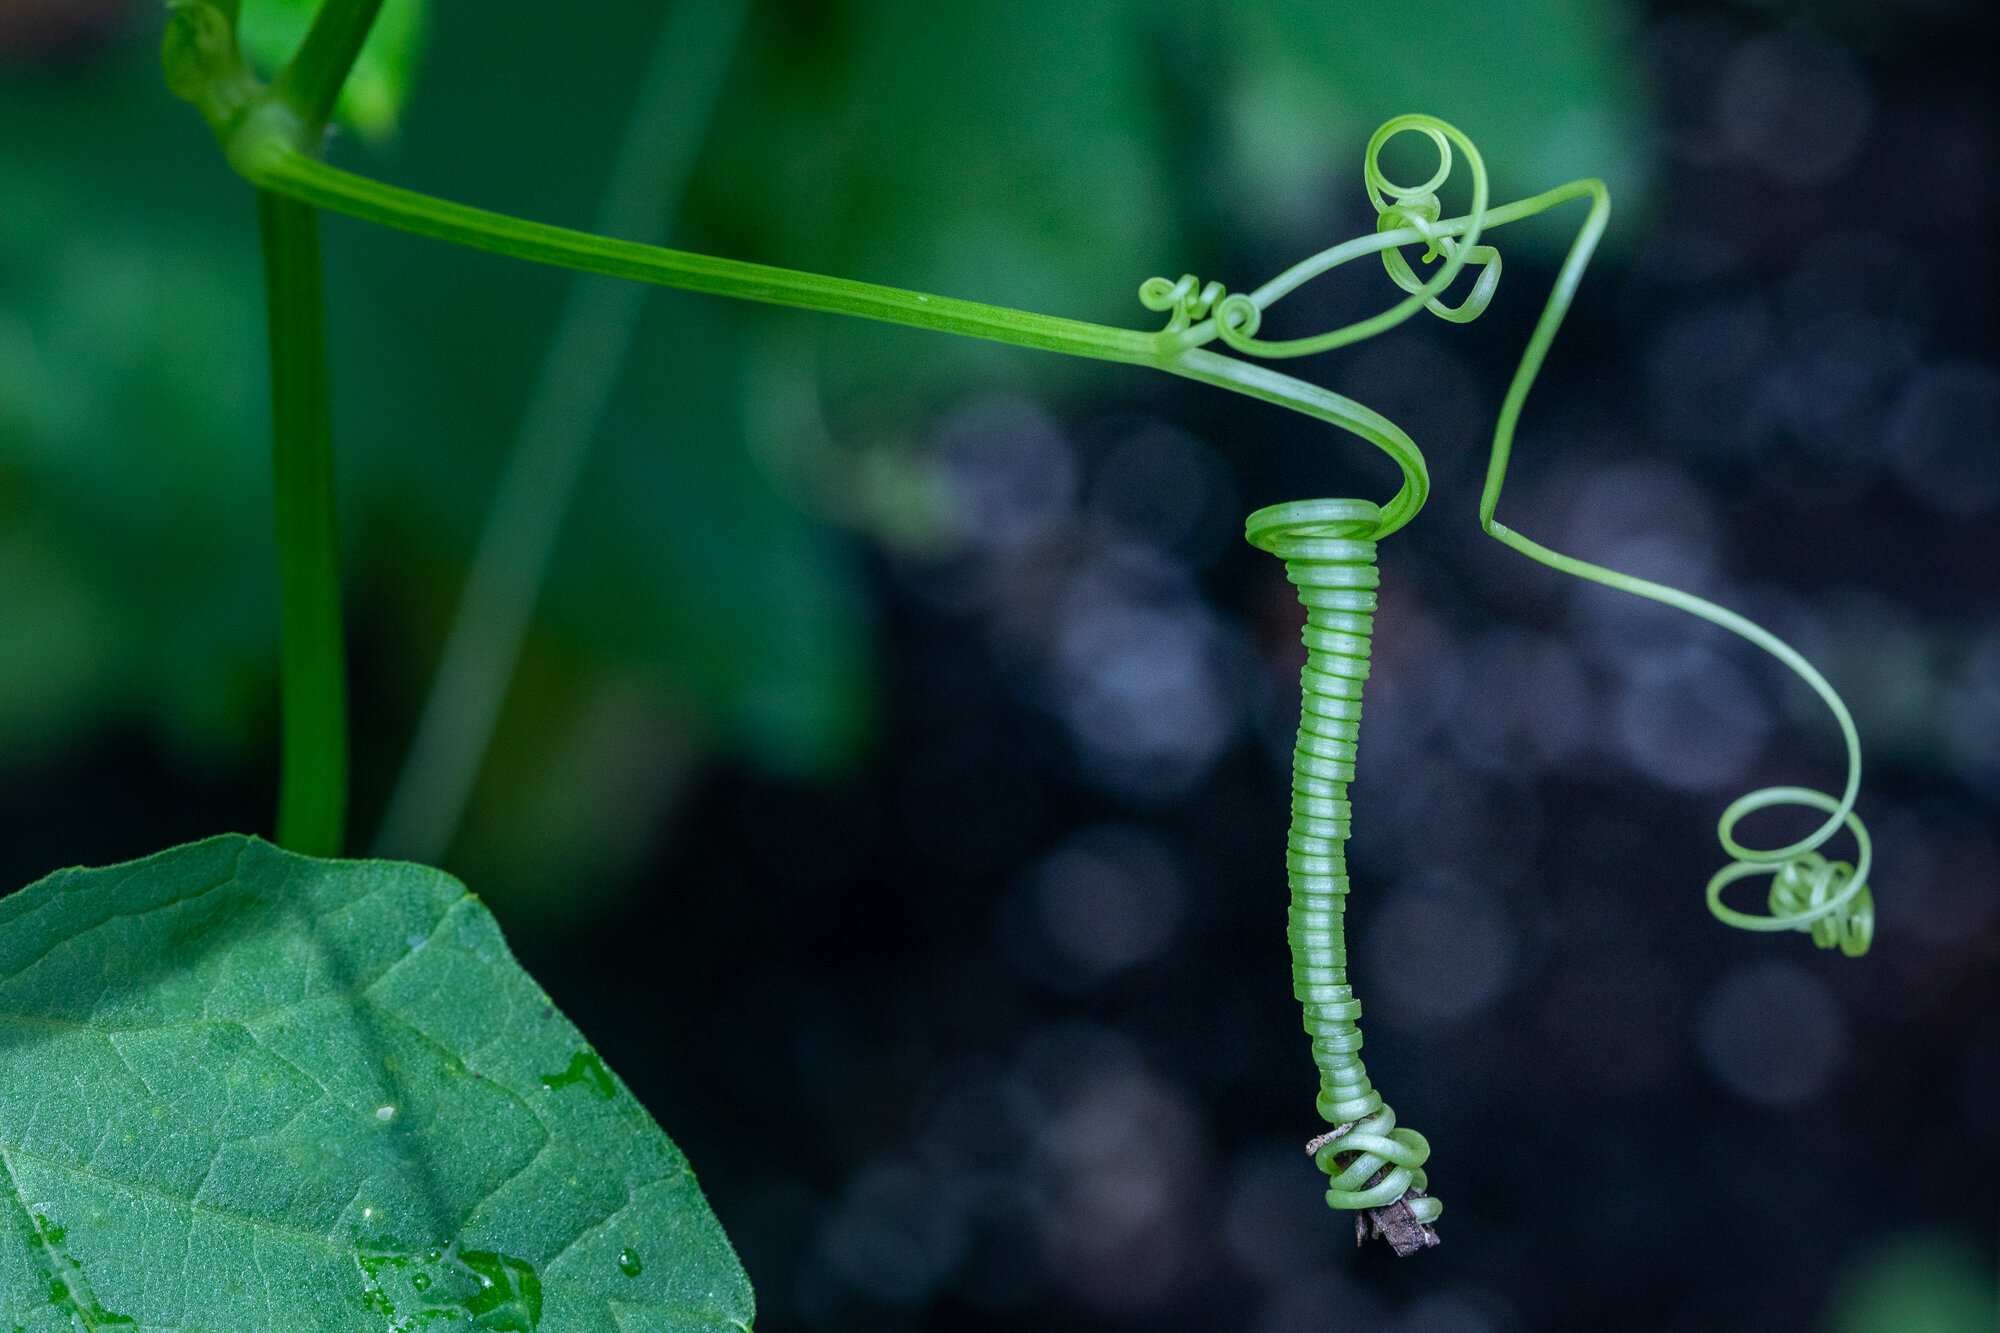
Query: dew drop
<point x="385" y="1113"/>
<point x="628" y="1262"/>
<point x="432" y="1256"/>
<point x="422" y="1281"/>
<point x="586" y="1069"/>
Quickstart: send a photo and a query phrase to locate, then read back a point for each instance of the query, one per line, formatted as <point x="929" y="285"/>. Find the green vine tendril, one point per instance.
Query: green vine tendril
<point x="1375" y="1166"/>
<point x="1329" y="550"/>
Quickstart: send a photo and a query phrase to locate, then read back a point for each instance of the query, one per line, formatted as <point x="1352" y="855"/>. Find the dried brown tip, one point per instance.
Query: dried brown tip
<point x="1392" y="1222"/>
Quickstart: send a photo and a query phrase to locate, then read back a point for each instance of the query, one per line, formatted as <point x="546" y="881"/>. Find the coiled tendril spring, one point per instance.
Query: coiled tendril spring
<point x="1329" y="550"/>
<point x="1329" y="555"/>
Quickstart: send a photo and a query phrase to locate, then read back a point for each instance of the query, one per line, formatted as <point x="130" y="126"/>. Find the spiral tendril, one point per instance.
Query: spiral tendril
<point x="1329" y="553"/>
<point x="1400" y="209"/>
<point x="1188" y="301"/>
<point x="1829" y="900"/>
<point x="1328" y="547"/>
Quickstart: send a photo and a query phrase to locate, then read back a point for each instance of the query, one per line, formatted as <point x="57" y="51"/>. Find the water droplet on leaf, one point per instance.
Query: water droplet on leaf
<point x="584" y="1068"/>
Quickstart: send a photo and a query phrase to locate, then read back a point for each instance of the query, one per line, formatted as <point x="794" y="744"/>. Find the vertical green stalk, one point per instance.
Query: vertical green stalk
<point x="312" y="790"/>
<point x="312" y="673"/>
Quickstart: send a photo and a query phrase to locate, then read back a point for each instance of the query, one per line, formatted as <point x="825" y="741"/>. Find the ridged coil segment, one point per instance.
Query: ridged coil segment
<point x="1329" y="556"/>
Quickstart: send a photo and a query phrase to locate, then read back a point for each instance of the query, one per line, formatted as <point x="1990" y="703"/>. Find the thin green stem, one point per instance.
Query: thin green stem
<point x="1553" y="312"/>
<point x="310" y="83"/>
<point x="1849" y="899"/>
<point x="275" y="166"/>
<point x="1271" y="386"/>
<point x="579" y="370"/>
<point x="312" y="793"/>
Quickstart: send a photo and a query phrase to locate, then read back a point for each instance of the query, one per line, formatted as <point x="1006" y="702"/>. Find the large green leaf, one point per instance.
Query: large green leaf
<point x="247" y="1090"/>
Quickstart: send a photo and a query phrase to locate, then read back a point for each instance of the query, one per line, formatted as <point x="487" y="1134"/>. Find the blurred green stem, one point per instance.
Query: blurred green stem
<point x="310" y="82"/>
<point x="312" y="793"/>
<point x="578" y="372"/>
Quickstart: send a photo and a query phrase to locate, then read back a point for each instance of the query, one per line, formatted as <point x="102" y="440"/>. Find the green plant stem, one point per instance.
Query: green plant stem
<point x="312" y="793"/>
<point x="274" y="165"/>
<point x="572" y="389"/>
<point x="1832" y="901"/>
<point x="310" y="82"/>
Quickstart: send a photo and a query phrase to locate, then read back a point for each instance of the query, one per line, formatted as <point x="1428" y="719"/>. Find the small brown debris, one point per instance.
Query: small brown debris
<point x="1394" y="1223"/>
<point x="1314" y="1145"/>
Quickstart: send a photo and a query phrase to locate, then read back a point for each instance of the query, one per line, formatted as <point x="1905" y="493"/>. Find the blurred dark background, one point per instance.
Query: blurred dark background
<point x="893" y="783"/>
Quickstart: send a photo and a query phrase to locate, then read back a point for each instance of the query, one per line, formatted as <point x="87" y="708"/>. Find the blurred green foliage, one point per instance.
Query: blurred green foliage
<point x="134" y="547"/>
<point x="1917" y="1284"/>
<point x="1042" y="154"/>
<point x="1542" y="86"/>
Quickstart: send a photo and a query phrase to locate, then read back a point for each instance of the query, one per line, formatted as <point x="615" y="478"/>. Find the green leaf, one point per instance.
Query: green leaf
<point x="242" y="1089"/>
<point x="377" y="88"/>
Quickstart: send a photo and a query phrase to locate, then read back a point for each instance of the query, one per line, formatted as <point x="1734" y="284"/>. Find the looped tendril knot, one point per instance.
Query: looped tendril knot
<point x="1829" y="900"/>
